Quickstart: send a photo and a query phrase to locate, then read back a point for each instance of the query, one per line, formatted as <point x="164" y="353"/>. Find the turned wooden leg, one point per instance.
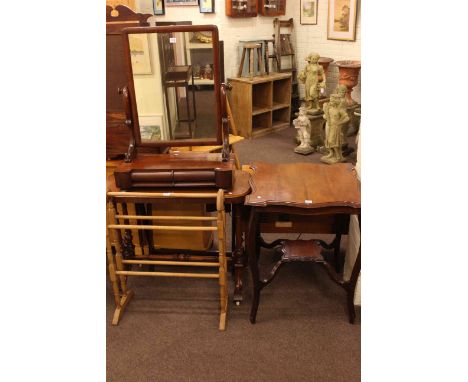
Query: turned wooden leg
<point x="112" y="275"/>
<point x="238" y="260"/>
<point x="130" y="209"/>
<point x="267" y="68"/>
<point x="241" y="66"/>
<point x="251" y="61"/>
<point x="261" y="68"/>
<point x="115" y="263"/>
<point x="252" y="255"/>
<point x="336" y="252"/>
<point x="187" y="105"/>
<point x="233" y="241"/>
<point x="193" y="99"/>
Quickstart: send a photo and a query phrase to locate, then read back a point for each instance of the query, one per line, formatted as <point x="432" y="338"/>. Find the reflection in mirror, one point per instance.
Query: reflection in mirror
<point x="174" y="85"/>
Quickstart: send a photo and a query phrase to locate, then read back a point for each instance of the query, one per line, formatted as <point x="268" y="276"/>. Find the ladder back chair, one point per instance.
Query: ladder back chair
<point x="122" y="226"/>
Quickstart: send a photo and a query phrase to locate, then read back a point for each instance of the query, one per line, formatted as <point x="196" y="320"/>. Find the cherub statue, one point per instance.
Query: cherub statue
<point x="302" y="124"/>
<point x="313" y="77"/>
<point x="335" y="115"/>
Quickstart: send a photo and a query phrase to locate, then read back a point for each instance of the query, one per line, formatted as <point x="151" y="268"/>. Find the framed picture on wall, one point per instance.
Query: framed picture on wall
<point x="342" y="17"/>
<point x="309" y="10"/>
<point x="206" y="6"/>
<point x="140" y="53"/>
<point x="158" y="7"/>
<point x="176" y="3"/>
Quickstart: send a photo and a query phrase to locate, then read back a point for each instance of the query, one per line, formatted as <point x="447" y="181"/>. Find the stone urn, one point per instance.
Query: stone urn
<point x="348" y="76"/>
<point x="325" y="62"/>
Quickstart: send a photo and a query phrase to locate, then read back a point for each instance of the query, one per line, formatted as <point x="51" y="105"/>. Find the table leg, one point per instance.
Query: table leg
<point x="252" y="247"/>
<point x="238" y="255"/>
<point x="336" y="252"/>
<point x="351" y="284"/>
<point x="168" y="113"/>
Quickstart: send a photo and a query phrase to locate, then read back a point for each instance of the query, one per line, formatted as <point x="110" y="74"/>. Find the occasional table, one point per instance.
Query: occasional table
<point x="302" y="197"/>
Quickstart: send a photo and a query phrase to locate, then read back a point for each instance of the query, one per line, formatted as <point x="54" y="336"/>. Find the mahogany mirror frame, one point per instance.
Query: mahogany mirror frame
<point x="216" y="83"/>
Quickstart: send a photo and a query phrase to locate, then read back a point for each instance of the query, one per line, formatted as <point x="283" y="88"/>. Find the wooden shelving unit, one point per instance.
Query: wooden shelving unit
<point x="203" y="54"/>
<point x="261" y="105"/>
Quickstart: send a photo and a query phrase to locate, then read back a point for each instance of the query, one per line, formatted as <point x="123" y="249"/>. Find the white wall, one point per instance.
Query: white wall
<point x="313" y="38"/>
<point x="309" y="38"/>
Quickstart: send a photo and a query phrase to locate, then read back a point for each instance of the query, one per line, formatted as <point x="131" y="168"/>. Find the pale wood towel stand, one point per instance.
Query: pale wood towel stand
<point x="122" y="226"/>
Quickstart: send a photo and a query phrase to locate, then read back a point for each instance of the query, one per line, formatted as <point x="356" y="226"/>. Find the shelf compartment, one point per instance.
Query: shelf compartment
<point x="261" y="95"/>
<point x="277" y="105"/>
<point x="259" y="110"/>
<point x="261" y="121"/>
<point x="282" y="91"/>
<point x="281" y="116"/>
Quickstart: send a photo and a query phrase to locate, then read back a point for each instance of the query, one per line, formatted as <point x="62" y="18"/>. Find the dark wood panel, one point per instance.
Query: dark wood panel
<point x="291" y="223"/>
<point x="118" y="134"/>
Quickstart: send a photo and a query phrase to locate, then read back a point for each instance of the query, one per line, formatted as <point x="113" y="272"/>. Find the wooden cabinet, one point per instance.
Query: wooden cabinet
<point x="272" y="7"/>
<point x="261" y="105"/>
<point x="241" y="8"/>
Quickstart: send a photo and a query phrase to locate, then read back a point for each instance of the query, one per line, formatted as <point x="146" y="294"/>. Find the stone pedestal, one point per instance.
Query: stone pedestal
<point x="317" y="124"/>
<point x="317" y="133"/>
<point x="357" y="118"/>
<point x="352" y="126"/>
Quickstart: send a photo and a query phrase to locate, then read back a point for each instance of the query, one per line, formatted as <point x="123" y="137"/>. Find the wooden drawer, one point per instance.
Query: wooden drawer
<point x="271" y="223"/>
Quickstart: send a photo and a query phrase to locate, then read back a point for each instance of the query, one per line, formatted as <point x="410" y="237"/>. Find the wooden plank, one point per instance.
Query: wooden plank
<point x="169" y="274"/>
<point x="143" y="217"/>
<point x="162" y="227"/>
<point x="179" y="263"/>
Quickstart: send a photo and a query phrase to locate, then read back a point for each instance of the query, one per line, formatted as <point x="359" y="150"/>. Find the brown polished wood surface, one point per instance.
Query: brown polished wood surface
<point x="185" y="169"/>
<point x="117" y="133"/>
<point x="183" y="160"/>
<point x="240" y="185"/>
<point x="304" y="185"/>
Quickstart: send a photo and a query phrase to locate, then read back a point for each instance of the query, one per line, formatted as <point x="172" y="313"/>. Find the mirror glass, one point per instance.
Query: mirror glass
<point x="174" y="84"/>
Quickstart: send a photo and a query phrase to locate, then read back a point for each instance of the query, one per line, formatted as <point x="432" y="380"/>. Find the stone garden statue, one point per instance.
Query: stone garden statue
<point x="208" y="72"/>
<point x="302" y="124"/>
<point x="335" y="115"/>
<point x="313" y="77"/>
<point x="341" y="92"/>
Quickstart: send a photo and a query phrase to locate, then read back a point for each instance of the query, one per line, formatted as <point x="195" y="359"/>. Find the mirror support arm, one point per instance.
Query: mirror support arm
<point x="131" y="152"/>
<point x="225" y="121"/>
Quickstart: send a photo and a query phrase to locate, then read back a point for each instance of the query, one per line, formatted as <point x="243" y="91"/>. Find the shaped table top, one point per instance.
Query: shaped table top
<point x="304" y="185"/>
